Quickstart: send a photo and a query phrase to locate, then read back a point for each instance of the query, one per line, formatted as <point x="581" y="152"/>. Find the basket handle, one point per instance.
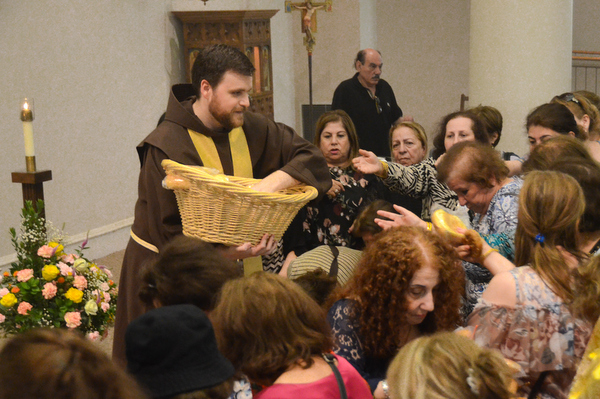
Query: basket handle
<point x="175" y="182"/>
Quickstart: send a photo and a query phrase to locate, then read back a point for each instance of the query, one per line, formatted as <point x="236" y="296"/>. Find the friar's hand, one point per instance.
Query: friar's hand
<point x="247" y="250"/>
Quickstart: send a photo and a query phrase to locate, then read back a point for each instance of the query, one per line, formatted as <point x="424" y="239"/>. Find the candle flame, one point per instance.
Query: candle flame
<point x="25" y="106"/>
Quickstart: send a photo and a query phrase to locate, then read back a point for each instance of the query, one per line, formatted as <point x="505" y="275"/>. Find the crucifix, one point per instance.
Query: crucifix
<point x="309" y="26"/>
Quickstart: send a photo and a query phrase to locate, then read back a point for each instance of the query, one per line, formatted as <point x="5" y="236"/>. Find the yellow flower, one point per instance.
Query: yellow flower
<point x="74" y="294"/>
<point x="50" y="272"/>
<point x="59" y="247"/>
<point x="8" y="300"/>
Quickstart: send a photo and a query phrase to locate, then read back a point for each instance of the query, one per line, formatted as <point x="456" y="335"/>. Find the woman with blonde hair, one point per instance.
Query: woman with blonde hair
<point x="408" y="146"/>
<point x="526" y="312"/>
<point x="448" y="366"/>
<point x="277" y="335"/>
<point x="587" y="117"/>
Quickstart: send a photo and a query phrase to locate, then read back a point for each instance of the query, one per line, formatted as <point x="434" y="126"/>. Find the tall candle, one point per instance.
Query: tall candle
<point x="27" y="118"/>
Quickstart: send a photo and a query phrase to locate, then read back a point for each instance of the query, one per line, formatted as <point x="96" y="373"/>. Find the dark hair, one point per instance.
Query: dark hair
<point x="492" y="121"/>
<point x="61" y="364"/>
<point x="213" y="61"/>
<point x="361" y="56"/>
<point x="587" y="174"/>
<point x="553" y="116"/>
<point x="187" y="271"/>
<point x="557" y="147"/>
<point x="365" y="221"/>
<point x="473" y="162"/>
<point x="265" y="323"/>
<point x="338" y="115"/>
<point x="477" y="126"/>
<point x="318" y="284"/>
<point x="381" y="281"/>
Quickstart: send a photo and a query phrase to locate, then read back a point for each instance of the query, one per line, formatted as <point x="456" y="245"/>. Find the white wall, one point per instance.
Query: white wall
<point x="425" y="48"/>
<point x="99" y="73"/>
<point x="586" y="25"/>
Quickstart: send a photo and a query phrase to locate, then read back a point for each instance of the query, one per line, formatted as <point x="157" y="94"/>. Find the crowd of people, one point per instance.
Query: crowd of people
<point x="370" y="298"/>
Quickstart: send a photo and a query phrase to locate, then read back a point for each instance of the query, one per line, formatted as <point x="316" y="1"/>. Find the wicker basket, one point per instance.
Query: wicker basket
<point x="223" y="209"/>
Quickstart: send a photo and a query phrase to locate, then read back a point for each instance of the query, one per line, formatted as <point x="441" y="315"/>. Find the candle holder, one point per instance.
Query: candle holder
<point x="31" y="179"/>
<point x="33" y="185"/>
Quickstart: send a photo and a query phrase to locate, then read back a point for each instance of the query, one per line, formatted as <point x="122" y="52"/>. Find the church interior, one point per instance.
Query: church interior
<point x="100" y="72"/>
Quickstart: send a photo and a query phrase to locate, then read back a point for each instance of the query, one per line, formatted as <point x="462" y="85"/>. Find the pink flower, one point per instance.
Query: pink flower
<point x="94" y="336"/>
<point x="24" y="275"/>
<point x="104" y="287"/>
<point x="69" y="258"/>
<point x="73" y="319"/>
<point x="106" y="297"/>
<point x="105" y="306"/>
<point x="3" y="292"/>
<point x="24" y="307"/>
<point x="49" y="291"/>
<point x="46" y="251"/>
<point x="80" y="283"/>
<point x="2" y="318"/>
<point x="65" y="269"/>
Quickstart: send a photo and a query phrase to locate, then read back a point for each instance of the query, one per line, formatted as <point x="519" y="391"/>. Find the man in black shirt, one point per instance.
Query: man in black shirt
<point x="370" y="102"/>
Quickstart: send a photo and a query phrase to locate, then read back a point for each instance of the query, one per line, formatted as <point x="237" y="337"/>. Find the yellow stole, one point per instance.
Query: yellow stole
<point x="240" y="154"/>
<point x="242" y="167"/>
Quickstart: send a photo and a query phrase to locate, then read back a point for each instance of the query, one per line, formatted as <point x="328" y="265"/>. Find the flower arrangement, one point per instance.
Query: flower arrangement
<point x="47" y="287"/>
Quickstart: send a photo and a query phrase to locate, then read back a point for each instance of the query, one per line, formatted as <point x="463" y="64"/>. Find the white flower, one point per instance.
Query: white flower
<point x="81" y="265"/>
<point x="91" y="307"/>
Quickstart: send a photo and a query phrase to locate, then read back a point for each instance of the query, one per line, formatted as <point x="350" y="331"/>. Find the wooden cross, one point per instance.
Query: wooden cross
<point x="309" y="25"/>
<point x="309" y="18"/>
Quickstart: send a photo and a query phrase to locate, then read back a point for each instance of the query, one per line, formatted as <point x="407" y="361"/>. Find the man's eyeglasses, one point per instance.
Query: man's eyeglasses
<point x="377" y="104"/>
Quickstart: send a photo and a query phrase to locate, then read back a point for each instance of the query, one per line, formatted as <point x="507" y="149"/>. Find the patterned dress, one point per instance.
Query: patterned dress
<point x="539" y="333"/>
<point x="328" y="222"/>
<point x="341" y="318"/>
<point x="497" y="227"/>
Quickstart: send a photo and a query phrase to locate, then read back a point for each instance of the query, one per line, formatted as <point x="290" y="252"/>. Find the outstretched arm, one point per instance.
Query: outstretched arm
<point x="368" y="163"/>
<point x="276" y="181"/>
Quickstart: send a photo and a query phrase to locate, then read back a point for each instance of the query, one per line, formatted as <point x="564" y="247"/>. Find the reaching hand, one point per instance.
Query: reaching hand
<point x="404" y="217"/>
<point x="368" y="163"/>
<point x="246" y="250"/>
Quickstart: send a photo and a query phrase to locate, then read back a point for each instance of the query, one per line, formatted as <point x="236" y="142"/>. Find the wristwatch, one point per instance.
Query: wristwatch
<point x="386" y="388"/>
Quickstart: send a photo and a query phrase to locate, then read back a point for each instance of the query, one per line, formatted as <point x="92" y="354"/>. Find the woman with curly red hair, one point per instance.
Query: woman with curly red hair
<point x="408" y="283"/>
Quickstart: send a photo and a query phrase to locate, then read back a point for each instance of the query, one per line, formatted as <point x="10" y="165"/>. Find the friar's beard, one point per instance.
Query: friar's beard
<point x="228" y="119"/>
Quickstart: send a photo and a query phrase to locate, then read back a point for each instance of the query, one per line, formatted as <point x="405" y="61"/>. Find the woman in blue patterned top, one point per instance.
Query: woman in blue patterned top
<point x="479" y="176"/>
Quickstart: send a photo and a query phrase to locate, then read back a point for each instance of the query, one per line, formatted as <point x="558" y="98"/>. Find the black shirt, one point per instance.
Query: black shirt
<point x="372" y="120"/>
